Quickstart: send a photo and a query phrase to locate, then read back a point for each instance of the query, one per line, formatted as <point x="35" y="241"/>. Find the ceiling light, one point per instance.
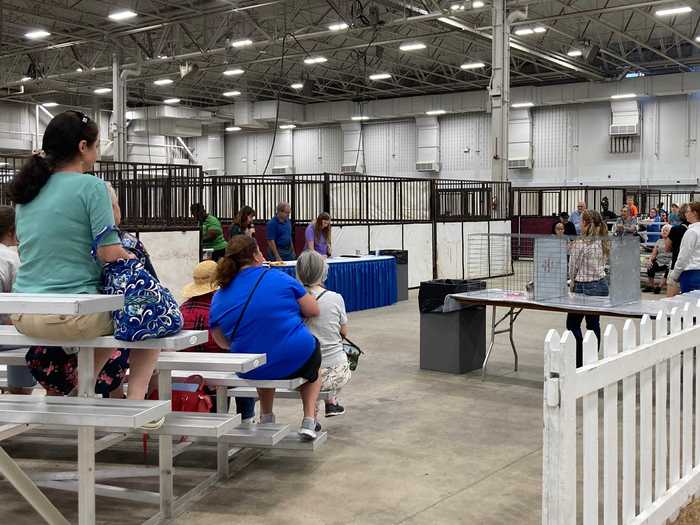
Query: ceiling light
<point x="287" y="126"/>
<point x="163" y="81"/>
<point x="162" y="57"/>
<point x="50" y="104"/>
<point x="522" y="105"/>
<point x="360" y="117"/>
<point x="122" y="15"/>
<point x="242" y="43"/>
<point x="25" y="79"/>
<point x="472" y="65"/>
<point x="231" y="93"/>
<point x="523" y="32"/>
<point x="380" y="76"/>
<point x="540" y="29"/>
<point x="315" y="60"/>
<point x="623" y="95"/>
<point x="233" y="128"/>
<point x="697" y="38"/>
<point x="477" y="4"/>
<point x="673" y="11"/>
<point x="39" y="33"/>
<point x="171" y="101"/>
<point x="79" y="70"/>
<point x="575" y="53"/>
<point x="102" y="91"/>
<point x="297" y="85"/>
<point x="232" y="72"/>
<point x="338" y="27"/>
<point x="412" y="46"/>
<point x="436" y="112"/>
<point x="457" y="7"/>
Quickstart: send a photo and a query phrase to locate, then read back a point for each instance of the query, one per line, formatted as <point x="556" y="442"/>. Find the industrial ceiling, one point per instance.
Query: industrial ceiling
<point x="216" y="52"/>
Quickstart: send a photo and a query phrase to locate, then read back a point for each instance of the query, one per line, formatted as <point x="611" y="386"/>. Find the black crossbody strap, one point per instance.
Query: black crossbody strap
<point x="321" y="294"/>
<point x="245" y="307"/>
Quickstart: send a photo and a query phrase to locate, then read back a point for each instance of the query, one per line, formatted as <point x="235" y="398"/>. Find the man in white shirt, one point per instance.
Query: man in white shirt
<point x="575" y="216"/>
<point x="687" y="268"/>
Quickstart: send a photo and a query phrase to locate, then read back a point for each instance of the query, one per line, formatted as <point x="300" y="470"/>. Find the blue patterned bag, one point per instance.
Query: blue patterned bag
<point x="150" y="310"/>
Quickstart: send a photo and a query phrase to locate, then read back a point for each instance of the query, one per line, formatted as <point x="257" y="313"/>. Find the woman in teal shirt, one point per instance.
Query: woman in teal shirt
<point x="60" y="210"/>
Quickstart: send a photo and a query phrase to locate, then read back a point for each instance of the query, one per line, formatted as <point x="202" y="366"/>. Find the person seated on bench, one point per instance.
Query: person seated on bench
<point x="259" y="310"/>
<point x="329" y="328"/>
<point x="660" y="261"/>
<point x="195" y="313"/>
<point x="60" y="210"/>
<point x="19" y="378"/>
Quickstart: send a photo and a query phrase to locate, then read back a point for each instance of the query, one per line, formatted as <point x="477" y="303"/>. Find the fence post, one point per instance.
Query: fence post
<point x="327" y="193"/>
<point x="433" y="220"/>
<point x="559" y="435"/>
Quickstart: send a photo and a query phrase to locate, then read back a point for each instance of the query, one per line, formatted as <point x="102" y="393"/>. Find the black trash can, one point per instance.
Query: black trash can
<point x="401" y="271"/>
<point x="453" y="342"/>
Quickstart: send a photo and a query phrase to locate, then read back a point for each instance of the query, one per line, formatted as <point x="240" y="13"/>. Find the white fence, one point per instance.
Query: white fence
<point x="646" y="450"/>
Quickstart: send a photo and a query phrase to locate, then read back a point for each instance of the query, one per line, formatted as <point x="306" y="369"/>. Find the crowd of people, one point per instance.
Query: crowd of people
<point x="65" y="225"/>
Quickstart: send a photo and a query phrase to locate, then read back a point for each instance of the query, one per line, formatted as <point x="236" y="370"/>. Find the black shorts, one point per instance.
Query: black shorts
<point x="309" y="370"/>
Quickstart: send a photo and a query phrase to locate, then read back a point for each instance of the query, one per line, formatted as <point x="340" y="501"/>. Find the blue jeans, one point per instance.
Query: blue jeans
<point x="690" y="280"/>
<point x="245" y="406"/>
<point x="573" y="320"/>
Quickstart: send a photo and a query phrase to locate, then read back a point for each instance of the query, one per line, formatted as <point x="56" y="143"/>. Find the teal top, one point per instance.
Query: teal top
<point x="56" y="230"/>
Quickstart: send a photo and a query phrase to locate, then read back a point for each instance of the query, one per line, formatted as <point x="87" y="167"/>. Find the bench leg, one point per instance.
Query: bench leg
<point x="222" y="448"/>
<point x="29" y="491"/>
<point x="86" y="441"/>
<point x="165" y="453"/>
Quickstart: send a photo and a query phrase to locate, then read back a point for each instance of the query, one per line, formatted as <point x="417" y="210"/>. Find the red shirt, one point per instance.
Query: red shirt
<point x="195" y="313"/>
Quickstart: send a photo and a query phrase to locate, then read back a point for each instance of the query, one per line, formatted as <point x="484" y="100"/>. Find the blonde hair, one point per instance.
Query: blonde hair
<point x="112" y="193"/>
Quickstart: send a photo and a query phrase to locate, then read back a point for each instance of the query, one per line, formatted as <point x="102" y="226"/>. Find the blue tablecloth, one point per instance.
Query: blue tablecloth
<point x="365" y="282"/>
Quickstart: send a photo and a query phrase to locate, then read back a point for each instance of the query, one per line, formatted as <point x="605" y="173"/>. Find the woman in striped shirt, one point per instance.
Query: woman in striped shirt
<point x="587" y="261"/>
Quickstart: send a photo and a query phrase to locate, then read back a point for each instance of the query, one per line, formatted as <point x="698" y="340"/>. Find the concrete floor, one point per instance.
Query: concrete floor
<point x="414" y="447"/>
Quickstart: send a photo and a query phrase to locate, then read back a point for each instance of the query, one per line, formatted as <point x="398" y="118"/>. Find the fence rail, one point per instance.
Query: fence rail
<point x="159" y="196"/>
<point x="660" y="460"/>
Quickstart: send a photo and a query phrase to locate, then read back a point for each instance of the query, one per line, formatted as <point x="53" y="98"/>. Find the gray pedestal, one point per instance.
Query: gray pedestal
<point x="453" y="342"/>
<point x="402" y="282"/>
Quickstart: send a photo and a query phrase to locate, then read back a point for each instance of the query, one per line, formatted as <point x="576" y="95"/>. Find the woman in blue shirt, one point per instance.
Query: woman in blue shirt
<point x="258" y="310"/>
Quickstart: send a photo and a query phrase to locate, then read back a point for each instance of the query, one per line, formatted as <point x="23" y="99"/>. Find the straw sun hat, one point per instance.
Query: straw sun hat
<point x="204" y="276"/>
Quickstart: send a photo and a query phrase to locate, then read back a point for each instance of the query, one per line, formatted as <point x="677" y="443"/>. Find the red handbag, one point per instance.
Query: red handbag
<point x="189" y="401"/>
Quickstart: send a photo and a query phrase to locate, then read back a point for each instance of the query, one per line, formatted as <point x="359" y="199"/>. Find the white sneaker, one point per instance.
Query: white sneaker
<point x="156" y="424"/>
<point x="307" y="430"/>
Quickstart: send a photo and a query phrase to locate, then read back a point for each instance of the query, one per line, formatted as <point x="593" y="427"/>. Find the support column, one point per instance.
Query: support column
<point x="499" y="91"/>
<point x="119" y="110"/>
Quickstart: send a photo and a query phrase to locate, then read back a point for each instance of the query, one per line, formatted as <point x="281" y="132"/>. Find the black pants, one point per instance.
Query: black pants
<point x="651" y="272"/>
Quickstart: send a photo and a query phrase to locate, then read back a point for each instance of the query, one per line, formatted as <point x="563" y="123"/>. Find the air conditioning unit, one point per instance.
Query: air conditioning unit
<point x="282" y="170"/>
<point x="520" y="164"/>
<point x="351" y="168"/>
<point x="624" y="130"/>
<point x="431" y="166"/>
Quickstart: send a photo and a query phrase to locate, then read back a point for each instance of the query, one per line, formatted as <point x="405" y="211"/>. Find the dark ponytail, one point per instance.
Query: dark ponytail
<point x="240" y="252"/>
<point x="60" y="146"/>
<point x="7" y="221"/>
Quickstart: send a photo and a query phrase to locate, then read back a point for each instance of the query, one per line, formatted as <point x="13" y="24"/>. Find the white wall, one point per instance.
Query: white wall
<point x="18" y="127"/>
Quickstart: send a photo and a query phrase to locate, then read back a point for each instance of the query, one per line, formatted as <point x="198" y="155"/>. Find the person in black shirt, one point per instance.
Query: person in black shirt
<point x="675" y="236"/>
<point x="569" y="227"/>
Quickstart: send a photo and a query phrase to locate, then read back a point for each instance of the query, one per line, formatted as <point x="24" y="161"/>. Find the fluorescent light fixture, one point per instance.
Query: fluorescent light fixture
<point x="231" y="93"/>
<point x="102" y="91"/>
<point x="25" y="79"/>
<point x="575" y="53"/>
<point x="380" y="76"/>
<point x="297" y="85"/>
<point x="338" y="27"/>
<point x="524" y="31"/>
<point x="436" y="112"/>
<point x="674" y="11"/>
<point x="233" y="72"/>
<point x="171" y="101"/>
<point x="522" y="105"/>
<point x="540" y="29"/>
<point x="79" y="70"/>
<point x="163" y="81"/>
<point x="242" y="43"/>
<point x="162" y="57"/>
<point x="457" y="7"/>
<point x="287" y="126"/>
<point x="472" y="65"/>
<point x="412" y="46"/>
<point x="623" y="95"/>
<point x="697" y="38"/>
<point x="477" y="4"/>
<point x="50" y="104"/>
<point x="315" y="60"/>
<point x="233" y="128"/>
<point x="39" y="33"/>
<point x="118" y="16"/>
<point x="360" y="117"/>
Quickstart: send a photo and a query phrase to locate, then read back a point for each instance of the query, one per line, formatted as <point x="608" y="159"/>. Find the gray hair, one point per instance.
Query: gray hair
<point x="666" y="228"/>
<point x="112" y="193"/>
<point x="282" y="206"/>
<point x="312" y="268"/>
